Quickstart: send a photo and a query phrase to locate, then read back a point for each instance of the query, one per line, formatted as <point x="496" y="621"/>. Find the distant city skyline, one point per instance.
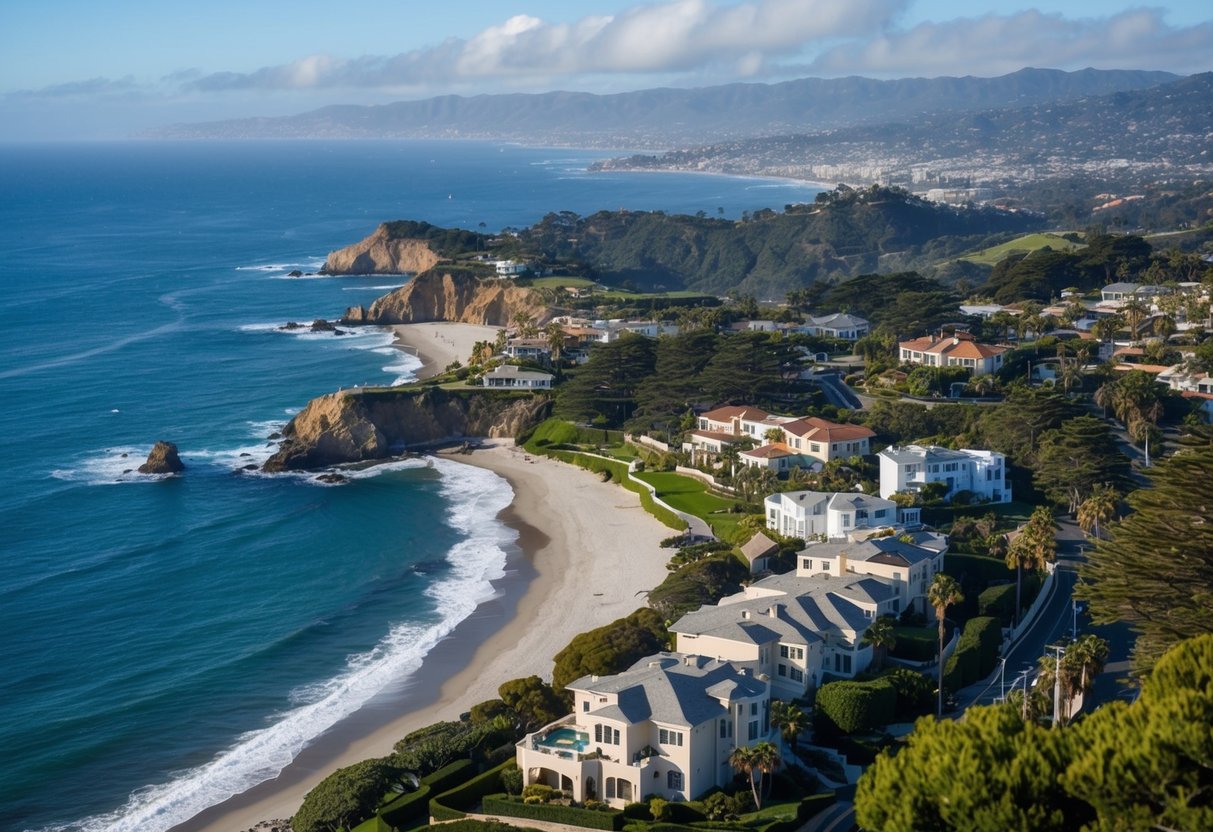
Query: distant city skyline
<point x="74" y="69"/>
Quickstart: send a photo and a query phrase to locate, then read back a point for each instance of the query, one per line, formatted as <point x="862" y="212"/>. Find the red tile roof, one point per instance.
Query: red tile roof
<point x="727" y="414"/>
<point x="822" y="430"/>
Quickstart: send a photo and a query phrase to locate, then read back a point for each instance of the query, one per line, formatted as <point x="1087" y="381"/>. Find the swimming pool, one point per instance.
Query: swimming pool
<point x="566" y="739"/>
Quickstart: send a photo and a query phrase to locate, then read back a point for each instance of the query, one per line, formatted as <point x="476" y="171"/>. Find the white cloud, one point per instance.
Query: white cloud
<point x="996" y="44"/>
<point x="677" y="36"/>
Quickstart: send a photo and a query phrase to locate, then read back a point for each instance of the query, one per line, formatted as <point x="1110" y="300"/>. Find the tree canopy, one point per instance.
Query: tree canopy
<point x="610" y="649"/>
<point x="1155" y="569"/>
<point x="1141" y="766"/>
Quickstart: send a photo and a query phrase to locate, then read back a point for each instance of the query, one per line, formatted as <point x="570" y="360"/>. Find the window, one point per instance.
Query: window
<point x="753" y="709"/>
<point x="806" y="564"/>
<point x="797" y="675"/>
<point x="724" y="729"/>
<point x="667" y="737"/>
<point x="825" y="564"/>
<point x="846" y="521"/>
<point x="606" y="734"/>
<point x="782" y="670"/>
<point x="753" y="729"/>
<point x="815" y="447"/>
<point x="673" y="780"/>
<point x="585" y="706"/>
<point x="880" y="512"/>
<point x="842" y="663"/>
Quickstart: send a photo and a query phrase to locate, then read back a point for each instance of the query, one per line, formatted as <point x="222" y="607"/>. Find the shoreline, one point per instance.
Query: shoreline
<point x="436" y="344"/>
<point x="565" y="574"/>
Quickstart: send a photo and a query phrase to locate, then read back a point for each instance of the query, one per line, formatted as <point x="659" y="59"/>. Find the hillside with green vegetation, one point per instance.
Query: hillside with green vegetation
<point x="768" y="253"/>
<point x="1027" y="244"/>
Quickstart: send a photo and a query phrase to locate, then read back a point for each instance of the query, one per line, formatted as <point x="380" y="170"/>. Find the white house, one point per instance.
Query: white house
<point x="958" y="350"/>
<point x="839" y="325"/>
<point x="907" y="562"/>
<point x="529" y="349"/>
<point x="511" y="376"/>
<point x="510" y="268"/>
<point x="795" y="628"/>
<point x="832" y="515"/>
<point x="910" y="467"/>
<point x="664" y="727"/>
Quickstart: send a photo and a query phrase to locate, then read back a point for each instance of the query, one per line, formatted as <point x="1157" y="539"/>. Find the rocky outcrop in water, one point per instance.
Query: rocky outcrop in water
<point x="380" y="253"/>
<point x="363" y="425"/>
<point x="456" y="297"/>
<point x="163" y="459"/>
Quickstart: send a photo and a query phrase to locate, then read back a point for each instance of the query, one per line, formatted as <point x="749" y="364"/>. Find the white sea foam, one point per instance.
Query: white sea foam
<point x="309" y="265"/>
<point x="377" y="288"/>
<point x="475" y="496"/>
<point x="110" y="466"/>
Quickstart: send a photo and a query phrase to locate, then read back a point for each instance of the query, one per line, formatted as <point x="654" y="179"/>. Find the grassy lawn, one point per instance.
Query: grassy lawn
<point x="558" y="282"/>
<point x="690" y="495"/>
<point x="620" y="295"/>
<point x="772" y="811"/>
<point x="1021" y="245"/>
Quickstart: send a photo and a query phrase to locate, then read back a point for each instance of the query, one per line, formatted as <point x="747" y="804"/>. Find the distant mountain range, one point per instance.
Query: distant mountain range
<point x="680" y="117"/>
<point x="1127" y="137"/>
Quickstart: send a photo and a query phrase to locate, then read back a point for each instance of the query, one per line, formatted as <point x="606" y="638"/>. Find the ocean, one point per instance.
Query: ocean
<point x="166" y="643"/>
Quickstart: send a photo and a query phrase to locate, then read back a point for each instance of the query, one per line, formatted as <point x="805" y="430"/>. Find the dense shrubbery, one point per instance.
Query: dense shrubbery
<point x="698" y="583"/>
<point x="610" y="649"/>
<point x="851" y="707"/>
<point x="976" y="653"/>
<point x="554" y="813"/>
<point x="345" y="797"/>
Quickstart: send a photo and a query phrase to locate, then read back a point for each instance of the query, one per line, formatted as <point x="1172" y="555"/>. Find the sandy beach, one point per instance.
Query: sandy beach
<point x="438" y="344"/>
<point x="586" y="553"/>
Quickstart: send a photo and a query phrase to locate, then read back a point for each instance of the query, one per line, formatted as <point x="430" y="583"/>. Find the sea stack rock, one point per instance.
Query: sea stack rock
<point x="162" y="460"/>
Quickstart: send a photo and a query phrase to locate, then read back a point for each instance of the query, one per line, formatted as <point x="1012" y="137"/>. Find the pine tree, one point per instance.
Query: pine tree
<point x="1156" y="569"/>
<point x="1076" y="457"/>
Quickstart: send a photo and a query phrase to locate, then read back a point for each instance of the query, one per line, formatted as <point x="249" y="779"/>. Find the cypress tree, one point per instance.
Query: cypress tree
<point x="1156" y="569"/>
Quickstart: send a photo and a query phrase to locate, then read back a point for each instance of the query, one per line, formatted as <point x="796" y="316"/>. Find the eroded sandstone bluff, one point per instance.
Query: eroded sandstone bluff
<point x="380" y="253"/>
<point x="365" y="425"/>
<point x="438" y="295"/>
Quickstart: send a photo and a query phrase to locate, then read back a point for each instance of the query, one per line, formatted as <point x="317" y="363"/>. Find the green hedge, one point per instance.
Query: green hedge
<point x="998" y="601"/>
<point x="470" y="825"/>
<point x="407" y="807"/>
<point x="815" y="804"/>
<point x="857" y="706"/>
<point x="554" y="813"/>
<point x="375" y="824"/>
<point x="454" y="803"/>
<point x="916" y="644"/>
<point x="450" y="775"/>
<point x="976" y="653"/>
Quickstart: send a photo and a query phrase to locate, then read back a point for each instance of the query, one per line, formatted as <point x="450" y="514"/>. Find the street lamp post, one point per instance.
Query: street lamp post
<point x="1057" y="683"/>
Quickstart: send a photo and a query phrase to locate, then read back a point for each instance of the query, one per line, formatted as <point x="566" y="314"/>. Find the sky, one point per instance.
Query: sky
<point x="83" y="69"/>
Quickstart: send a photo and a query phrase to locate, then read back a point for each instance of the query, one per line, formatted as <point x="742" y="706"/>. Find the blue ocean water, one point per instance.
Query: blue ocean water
<point x="166" y="643"/>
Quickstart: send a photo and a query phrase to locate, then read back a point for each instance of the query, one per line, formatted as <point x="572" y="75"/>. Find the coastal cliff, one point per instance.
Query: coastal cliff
<point x="382" y="253"/>
<point x="359" y="426"/>
<point x="440" y="295"/>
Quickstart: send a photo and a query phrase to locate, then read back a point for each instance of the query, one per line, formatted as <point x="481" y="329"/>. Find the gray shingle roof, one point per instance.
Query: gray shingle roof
<point x="673" y="688"/>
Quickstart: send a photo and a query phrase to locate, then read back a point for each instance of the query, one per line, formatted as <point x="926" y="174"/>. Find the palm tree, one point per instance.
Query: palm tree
<point x="766" y="759"/>
<point x="1086" y="658"/>
<point x="1105" y="329"/>
<point x="555" y="338"/>
<point x="1032" y="549"/>
<point x="744" y="760"/>
<point x="789" y="719"/>
<point x="1135" y="311"/>
<point x="943" y="592"/>
<point x="882" y="635"/>
<point x="500" y="341"/>
<point x="1099" y="508"/>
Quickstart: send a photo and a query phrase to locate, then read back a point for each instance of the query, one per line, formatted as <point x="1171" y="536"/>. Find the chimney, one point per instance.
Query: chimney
<point x="842" y="563"/>
<point x="745" y="614"/>
<point x="773" y="612"/>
